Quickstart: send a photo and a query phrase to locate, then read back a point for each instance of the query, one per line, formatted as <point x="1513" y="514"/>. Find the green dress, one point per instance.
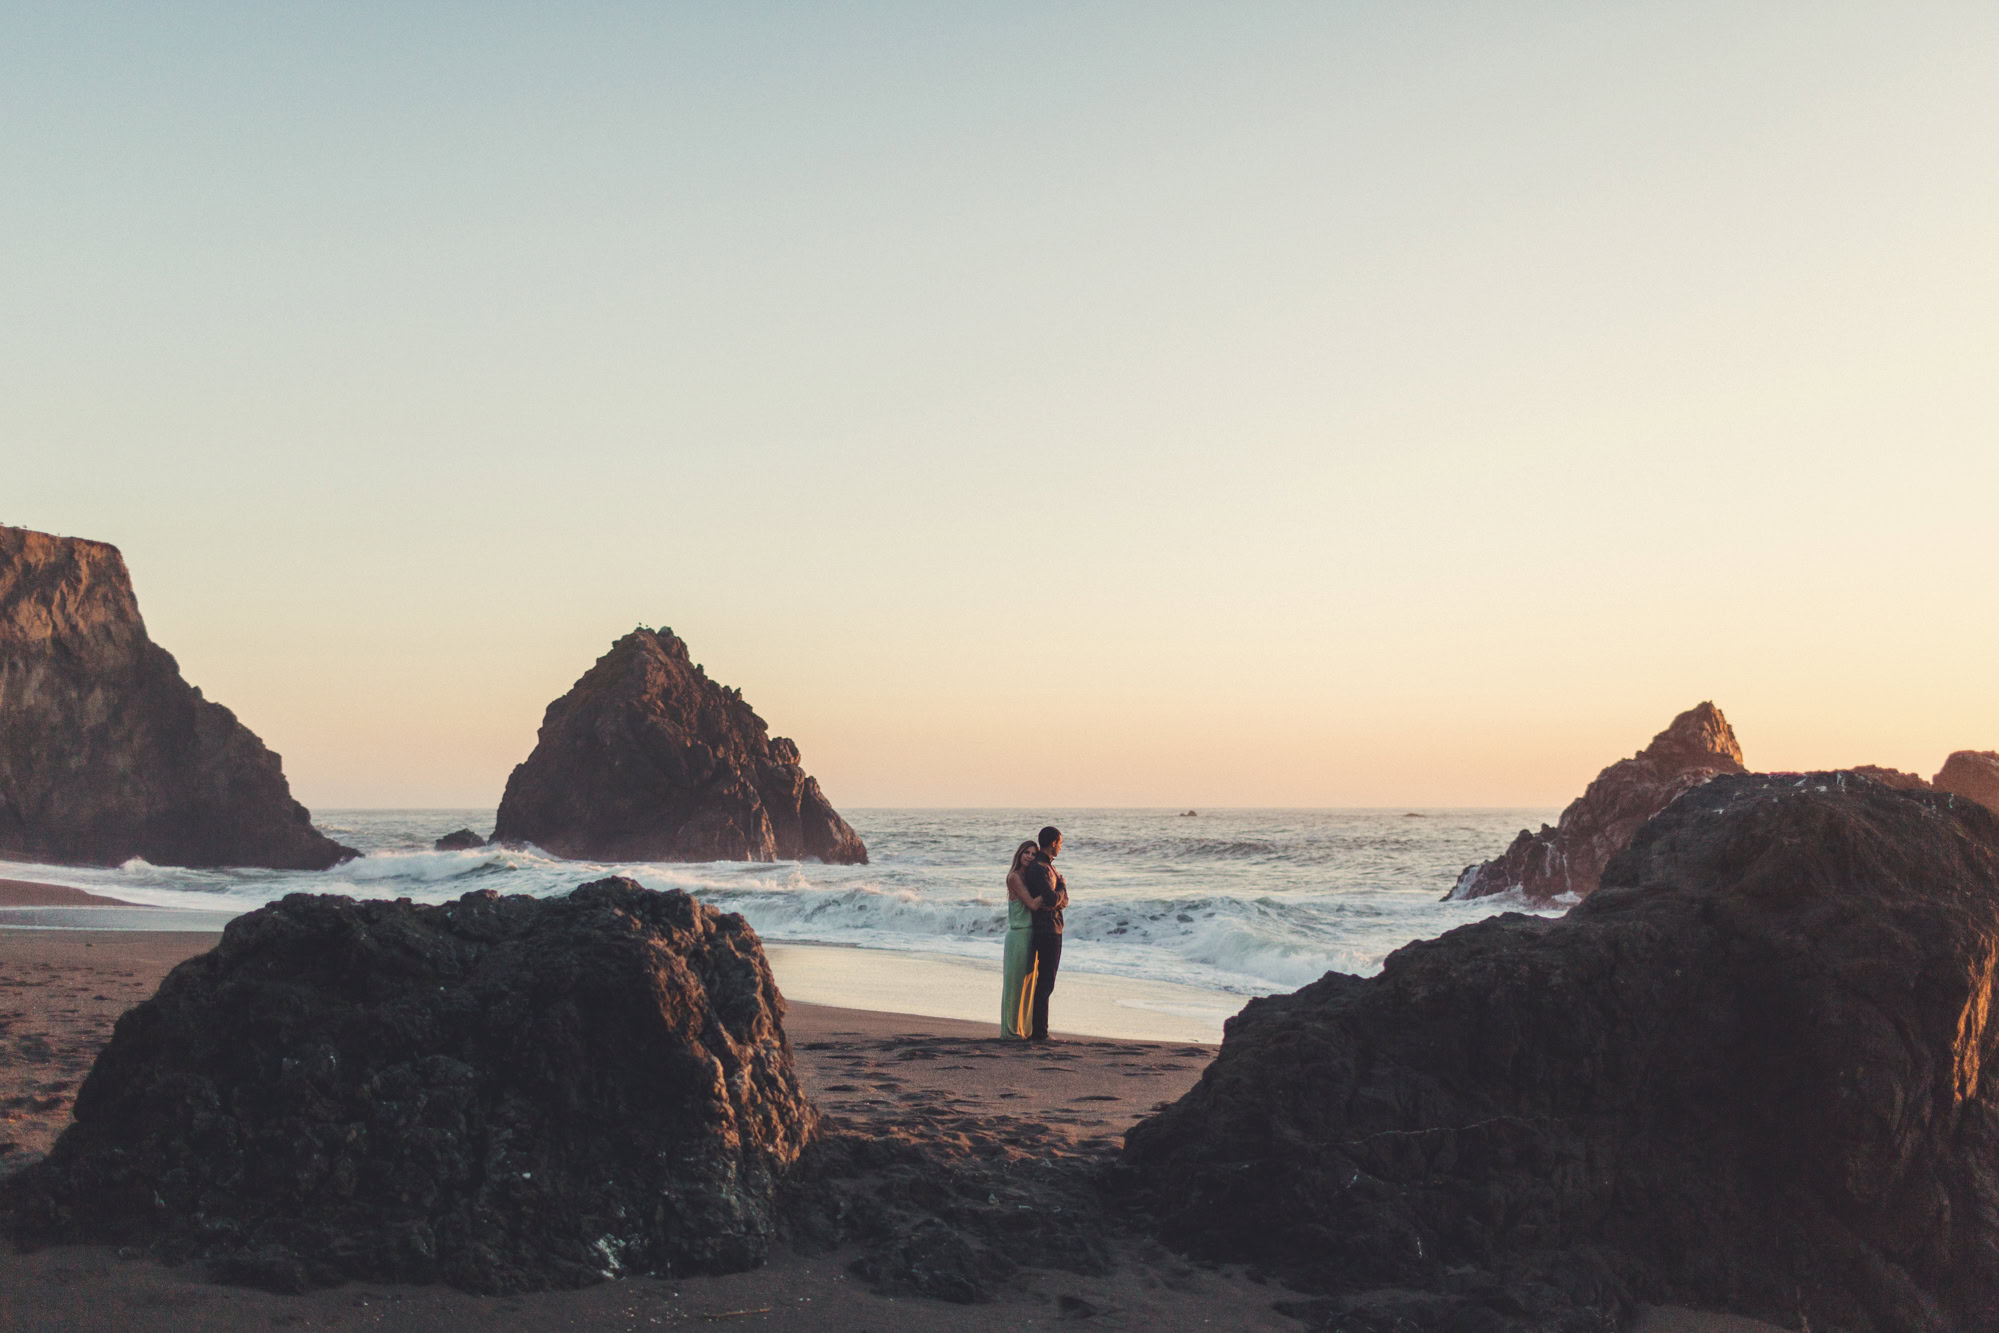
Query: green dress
<point x="1017" y="984"/>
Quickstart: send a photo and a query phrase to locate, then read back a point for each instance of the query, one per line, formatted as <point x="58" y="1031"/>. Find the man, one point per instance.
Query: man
<point x="1048" y="893"/>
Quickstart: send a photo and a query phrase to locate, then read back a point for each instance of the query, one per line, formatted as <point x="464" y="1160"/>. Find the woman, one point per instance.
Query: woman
<point x="1017" y="978"/>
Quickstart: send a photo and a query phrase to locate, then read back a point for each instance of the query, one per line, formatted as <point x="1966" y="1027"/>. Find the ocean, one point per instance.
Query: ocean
<point x="1241" y="902"/>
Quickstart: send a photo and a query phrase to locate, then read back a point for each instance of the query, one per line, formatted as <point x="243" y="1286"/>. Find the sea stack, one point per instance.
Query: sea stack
<point x="1747" y="1074"/>
<point x="105" y="752"/>
<point x="1973" y="774"/>
<point x="1569" y="858"/>
<point x="646" y="759"/>
<point x="502" y="1093"/>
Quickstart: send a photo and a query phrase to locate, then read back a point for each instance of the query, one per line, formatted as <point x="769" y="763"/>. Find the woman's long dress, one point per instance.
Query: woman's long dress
<point x="1017" y="984"/>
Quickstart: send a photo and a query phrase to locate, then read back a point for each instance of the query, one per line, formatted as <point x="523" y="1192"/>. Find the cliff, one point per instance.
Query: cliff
<point x="1746" y="1074"/>
<point x="105" y="752"/>
<point x="1597" y="825"/>
<point x="646" y="759"/>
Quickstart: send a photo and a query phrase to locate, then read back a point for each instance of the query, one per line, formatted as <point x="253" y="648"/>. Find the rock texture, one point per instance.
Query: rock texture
<point x="1752" y="1072"/>
<point x="462" y="840"/>
<point x="105" y="752"/>
<point x="1570" y="857"/>
<point x="1891" y="777"/>
<point x="501" y="1093"/>
<point x="1973" y="774"/>
<point x="646" y="759"/>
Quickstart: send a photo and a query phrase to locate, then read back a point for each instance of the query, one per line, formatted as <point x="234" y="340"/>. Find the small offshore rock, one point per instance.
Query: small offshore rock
<point x="463" y="840"/>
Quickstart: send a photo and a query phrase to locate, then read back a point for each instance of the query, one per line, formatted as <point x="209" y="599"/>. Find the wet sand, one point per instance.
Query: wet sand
<point x="941" y="1080"/>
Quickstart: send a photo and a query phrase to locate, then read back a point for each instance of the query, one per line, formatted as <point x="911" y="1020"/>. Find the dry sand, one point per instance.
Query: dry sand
<point x="61" y="991"/>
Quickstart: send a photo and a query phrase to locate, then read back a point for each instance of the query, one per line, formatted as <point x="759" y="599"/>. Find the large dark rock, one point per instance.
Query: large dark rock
<point x="105" y="752"/>
<point x="646" y="759"/>
<point x="1569" y="858"/>
<point x="1749" y="1073"/>
<point x="460" y="840"/>
<point x="501" y="1093"/>
<point x="1973" y="774"/>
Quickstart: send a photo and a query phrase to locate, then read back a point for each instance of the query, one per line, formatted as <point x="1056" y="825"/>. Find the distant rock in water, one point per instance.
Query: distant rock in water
<point x="1597" y="825"/>
<point x="105" y="752"/>
<point x="464" y="840"/>
<point x="500" y="1093"/>
<point x="1748" y="1073"/>
<point x="646" y="759"/>
<point x="1973" y="774"/>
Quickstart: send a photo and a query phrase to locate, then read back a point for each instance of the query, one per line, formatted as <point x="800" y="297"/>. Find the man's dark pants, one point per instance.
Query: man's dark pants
<point x="1047" y="958"/>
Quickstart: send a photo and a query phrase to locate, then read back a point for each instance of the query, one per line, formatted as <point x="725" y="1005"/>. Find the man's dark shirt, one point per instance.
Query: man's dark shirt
<point x="1045" y="884"/>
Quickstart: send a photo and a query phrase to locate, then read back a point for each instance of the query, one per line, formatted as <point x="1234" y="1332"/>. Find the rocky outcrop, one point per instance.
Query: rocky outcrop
<point x="1973" y="774"/>
<point x="105" y="752"/>
<point x="1752" y="1072"/>
<point x="1891" y="777"/>
<point x="500" y="1093"/>
<point x="646" y="759"/>
<point x="462" y="840"/>
<point x="1570" y="857"/>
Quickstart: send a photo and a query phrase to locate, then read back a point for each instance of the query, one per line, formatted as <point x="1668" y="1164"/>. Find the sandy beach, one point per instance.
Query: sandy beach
<point x="953" y="1084"/>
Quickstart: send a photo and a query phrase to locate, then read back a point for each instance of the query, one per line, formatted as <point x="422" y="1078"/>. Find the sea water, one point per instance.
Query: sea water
<point x="1243" y="902"/>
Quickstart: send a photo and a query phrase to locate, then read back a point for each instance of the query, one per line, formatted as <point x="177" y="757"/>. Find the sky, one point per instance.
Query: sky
<point x="1028" y="404"/>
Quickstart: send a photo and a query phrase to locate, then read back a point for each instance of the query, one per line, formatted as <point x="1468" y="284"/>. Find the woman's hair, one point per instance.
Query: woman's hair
<point x="1020" y="854"/>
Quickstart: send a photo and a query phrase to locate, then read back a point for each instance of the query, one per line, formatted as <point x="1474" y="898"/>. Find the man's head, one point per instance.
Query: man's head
<point x="1051" y="841"/>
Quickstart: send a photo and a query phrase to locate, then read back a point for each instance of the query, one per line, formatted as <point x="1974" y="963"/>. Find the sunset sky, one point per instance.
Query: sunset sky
<point x="1029" y="404"/>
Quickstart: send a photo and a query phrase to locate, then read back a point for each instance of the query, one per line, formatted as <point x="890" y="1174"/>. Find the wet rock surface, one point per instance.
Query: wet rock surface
<point x="1752" y="1072"/>
<point x="647" y="759"/>
<point x="105" y="752"/>
<point x="500" y="1093"/>
<point x="1569" y="858"/>
<point x="1973" y="774"/>
<point x="463" y="840"/>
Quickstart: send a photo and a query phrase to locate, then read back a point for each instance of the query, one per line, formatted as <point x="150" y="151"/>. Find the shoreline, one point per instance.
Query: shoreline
<point x="876" y="1073"/>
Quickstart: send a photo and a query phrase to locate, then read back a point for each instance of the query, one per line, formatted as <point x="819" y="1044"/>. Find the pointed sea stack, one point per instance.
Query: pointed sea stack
<point x="1973" y="774"/>
<point x="1570" y="857"/>
<point x="105" y="752"/>
<point x="646" y="759"/>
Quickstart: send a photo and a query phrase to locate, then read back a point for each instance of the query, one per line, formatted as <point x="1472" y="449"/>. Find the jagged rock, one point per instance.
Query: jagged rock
<point x="500" y="1093"/>
<point x="1569" y="858"/>
<point x="1751" y="1072"/>
<point x="1891" y="777"/>
<point x="646" y="759"/>
<point x="464" y="840"/>
<point x="105" y="752"/>
<point x="1973" y="774"/>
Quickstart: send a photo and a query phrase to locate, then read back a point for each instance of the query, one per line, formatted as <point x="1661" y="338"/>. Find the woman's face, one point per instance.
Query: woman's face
<point x="1029" y="853"/>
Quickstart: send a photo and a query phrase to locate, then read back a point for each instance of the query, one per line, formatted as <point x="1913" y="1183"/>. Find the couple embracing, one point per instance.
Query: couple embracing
<point x="1035" y="898"/>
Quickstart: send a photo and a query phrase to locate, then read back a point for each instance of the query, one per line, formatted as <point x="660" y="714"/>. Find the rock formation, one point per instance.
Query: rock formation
<point x="1749" y="1072"/>
<point x="463" y="840"/>
<point x="1891" y="777"/>
<point x="501" y="1093"/>
<point x="1569" y="858"/>
<point x="646" y="759"/>
<point x="105" y="752"/>
<point x="1973" y="774"/>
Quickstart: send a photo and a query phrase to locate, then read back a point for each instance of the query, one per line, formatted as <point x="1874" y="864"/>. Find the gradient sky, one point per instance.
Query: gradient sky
<point x="1028" y="404"/>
